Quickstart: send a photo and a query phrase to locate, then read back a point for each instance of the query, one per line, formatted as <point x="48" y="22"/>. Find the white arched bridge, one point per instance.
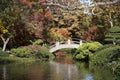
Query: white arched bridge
<point x="66" y="44"/>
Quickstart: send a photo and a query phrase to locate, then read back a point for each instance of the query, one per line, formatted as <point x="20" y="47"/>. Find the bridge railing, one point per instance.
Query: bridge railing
<point x="57" y="44"/>
<point x="66" y="42"/>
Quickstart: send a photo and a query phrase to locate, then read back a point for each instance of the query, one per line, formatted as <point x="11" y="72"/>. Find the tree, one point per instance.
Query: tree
<point x="71" y="15"/>
<point x="9" y="17"/>
<point x="113" y="36"/>
<point x="59" y="34"/>
<point x="39" y="19"/>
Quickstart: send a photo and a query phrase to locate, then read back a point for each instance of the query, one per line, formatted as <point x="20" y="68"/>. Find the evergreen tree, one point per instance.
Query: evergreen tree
<point x="113" y="35"/>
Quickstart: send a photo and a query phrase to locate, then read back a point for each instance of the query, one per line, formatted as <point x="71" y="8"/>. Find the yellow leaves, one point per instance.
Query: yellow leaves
<point x="2" y="28"/>
<point x="68" y="17"/>
<point x="112" y="10"/>
<point x="56" y="19"/>
<point x="5" y="31"/>
<point x="75" y="24"/>
<point x="61" y="22"/>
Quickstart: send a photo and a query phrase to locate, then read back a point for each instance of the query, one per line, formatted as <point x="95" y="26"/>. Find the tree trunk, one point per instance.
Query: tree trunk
<point x="111" y="20"/>
<point x="111" y="23"/>
<point x="5" y="42"/>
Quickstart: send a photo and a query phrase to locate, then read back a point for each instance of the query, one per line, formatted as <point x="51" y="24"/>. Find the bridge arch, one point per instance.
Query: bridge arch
<point x="65" y="44"/>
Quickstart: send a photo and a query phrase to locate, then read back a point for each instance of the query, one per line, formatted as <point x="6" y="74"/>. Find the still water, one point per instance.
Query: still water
<point x="53" y="70"/>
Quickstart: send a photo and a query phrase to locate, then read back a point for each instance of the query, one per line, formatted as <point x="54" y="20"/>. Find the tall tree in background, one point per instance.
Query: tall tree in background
<point x="85" y="19"/>
<point x="9" y="18"/>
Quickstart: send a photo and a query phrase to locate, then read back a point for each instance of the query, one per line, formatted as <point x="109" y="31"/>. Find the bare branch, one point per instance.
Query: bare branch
<point x="3" y="39"/>
<point x="67" y="7"/>
<point x="108" y="3"/>
<point x="94" y="12"/>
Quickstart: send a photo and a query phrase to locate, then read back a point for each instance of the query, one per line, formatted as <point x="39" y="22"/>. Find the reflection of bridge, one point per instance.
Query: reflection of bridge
<point x="64" y="71"/>
<point x="66" y="44"/>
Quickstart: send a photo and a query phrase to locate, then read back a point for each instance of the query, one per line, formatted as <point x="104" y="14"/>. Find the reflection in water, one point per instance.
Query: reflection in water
<point x="52" y="70"/>
<point x="88" y="77"/>
<point x="68" y="72"/>
<point x="4" y="73"/>
<point x="65" y="71"/>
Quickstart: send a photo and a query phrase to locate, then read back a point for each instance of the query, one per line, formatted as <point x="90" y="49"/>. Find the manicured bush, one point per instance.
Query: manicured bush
<point x="113" y="35"/>
<point x="106" y="55"/>
<point x="86" y="50"/>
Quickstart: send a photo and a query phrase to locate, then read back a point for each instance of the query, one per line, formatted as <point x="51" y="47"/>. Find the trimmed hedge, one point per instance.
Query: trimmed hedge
<point x="106" y="55"/>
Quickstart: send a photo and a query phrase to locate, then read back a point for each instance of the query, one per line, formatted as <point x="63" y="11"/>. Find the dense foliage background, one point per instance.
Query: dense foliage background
<point x="30" y="23"/>
<point x="25" y="20"/>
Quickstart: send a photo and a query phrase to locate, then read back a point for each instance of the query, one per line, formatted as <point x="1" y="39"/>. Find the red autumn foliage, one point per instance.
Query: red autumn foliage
<point x="91" y="33"/>
<point x="48" y="15"/>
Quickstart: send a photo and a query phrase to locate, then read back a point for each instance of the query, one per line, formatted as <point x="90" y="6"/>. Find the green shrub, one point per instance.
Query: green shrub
<point x="12" y="59"/>
<point x="3" y="54"/>
<point x="44" y="53"/>
<point x="0" y="48"/>
<point x="21" y="52"/>
<point x="36" y="42"/>
<point x="117" y="72"/>
<point x="34" y="51"/>
<point x="87" y="50"/>
<point x="106" y="55"/>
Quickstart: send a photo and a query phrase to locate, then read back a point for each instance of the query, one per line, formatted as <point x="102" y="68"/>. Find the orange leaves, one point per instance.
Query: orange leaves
<point x="59" y="33"/>
<point x="27" y="2"/>
<point x="30" y="4"/>
<point x="48" y="15"/>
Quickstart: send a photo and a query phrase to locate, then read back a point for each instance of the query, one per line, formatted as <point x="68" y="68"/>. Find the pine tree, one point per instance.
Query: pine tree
<point x="113" y="35"/>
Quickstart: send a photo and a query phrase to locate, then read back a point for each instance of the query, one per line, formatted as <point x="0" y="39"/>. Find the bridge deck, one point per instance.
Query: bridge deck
<point x="61" y="45"/>
<point x="64" y="46"/>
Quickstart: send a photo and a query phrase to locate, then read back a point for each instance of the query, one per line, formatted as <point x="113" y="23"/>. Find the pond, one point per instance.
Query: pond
<point x="59" y="69"/>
